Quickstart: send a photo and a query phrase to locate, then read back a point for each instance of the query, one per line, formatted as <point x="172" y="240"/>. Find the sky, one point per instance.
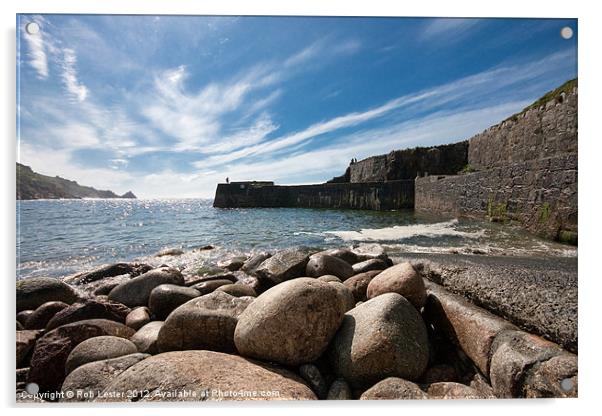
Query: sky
<point x="169" y="106"/>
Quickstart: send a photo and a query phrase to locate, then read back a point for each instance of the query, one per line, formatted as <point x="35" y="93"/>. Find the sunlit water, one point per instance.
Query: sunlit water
<point x="62" y="237"/>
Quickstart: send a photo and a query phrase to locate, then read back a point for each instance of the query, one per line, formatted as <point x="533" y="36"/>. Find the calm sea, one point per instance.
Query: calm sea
<point x="62" y="237"/>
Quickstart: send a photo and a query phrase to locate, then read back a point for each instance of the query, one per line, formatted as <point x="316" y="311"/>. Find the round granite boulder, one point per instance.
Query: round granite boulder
<point x="98" y="348"/>
<point x="207" y="375"/>
<point x="96" y="308"/>
<point x="138" y="317"/>
<point x="382" y="337"/>
<point x="345" y="296"/>
<point x="323" y="264"/>
<point x="43" y="314"/>
<point x="206" y="287"/>
<point x="369" y="265"/>
<point x="204" y="323"/>
<point x="449" y="390"/>
<point x="359" y="284"/>
<point x="35" y="291"/>
<point x="401" y="278"/>
<point x="291" y="323"/>
<point x="136" y="291"/>
<point x="393" y="388"/>
<point x="165" y="298"/>
<point x="237" y="290"/>
<point x="146" y="337"/>
<point x="23" y="316"/>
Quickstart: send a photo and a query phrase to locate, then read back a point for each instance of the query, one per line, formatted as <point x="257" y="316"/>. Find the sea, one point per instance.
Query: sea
<point x="59" y="238"/>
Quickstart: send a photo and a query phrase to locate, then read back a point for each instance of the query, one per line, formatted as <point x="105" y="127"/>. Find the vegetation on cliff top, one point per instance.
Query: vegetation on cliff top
<point x="566" y="88"/>
<point x="32" y="185"/>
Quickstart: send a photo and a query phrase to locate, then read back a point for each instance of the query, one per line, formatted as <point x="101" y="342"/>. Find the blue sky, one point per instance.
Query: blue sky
<point x="169" y="106"/>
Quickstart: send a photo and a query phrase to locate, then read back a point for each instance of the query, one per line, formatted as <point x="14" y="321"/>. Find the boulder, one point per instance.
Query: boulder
<point x="402" y="279"/>
<point x="105" y="288"/>
<point x="345" y="296"/>
<point x="40" y="317"/>
<point x="253" y="282"/>
<point x="282" y="266"/>
<point x="383" y="337"/>
<point x="173" y="251"/>
<point x="329" y="278"/>
<point x="339" y="390"/>
<point x="165" y="298"/>
<point x="369" y="265"/>
<point x="111" y="270"/>
<point x="251" y="264"/>
<point x="35" y="291"/>
<point x="237" y="290"/>
<point x="394" y="388"/>
<point x="323" y="264"/>
<point x="96" y="349"/>
<point x="232" y="264"/>
<point x="19" y="326"/>
<point x="135" y="292"/>
<point x="223" y="275"/>
<point x="312" y="376"/>
<point x="138" y="317"/>
<point x="89" y="309"/>
<point x="449" y="390"/>
<point x="89" y="380"/>
<point x="291" y="323"/>
<point x="207" y="322"/>
<point x="359" y="284"/>
<point x="51" y="350"/>
<point x="204" y="288"/>
<point x="207" y="375"/>
<point x="344" y="254"/>
<point x="25" y="342"/>
<point x="146" y="337"/>
<point x="23" y="316"/>
<point x="556" y="377"/>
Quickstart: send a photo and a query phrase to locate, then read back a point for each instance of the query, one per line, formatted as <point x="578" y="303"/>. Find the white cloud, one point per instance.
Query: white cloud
<point x="75" y="88"/>
<point x="37" y="48"/>
<point x="448" y="28"/>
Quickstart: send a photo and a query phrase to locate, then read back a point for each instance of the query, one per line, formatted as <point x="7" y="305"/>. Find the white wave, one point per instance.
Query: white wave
<point x="401" y="232"/>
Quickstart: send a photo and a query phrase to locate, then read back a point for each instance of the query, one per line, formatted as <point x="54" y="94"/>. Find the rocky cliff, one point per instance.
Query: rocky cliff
<point x="32" y="185"/>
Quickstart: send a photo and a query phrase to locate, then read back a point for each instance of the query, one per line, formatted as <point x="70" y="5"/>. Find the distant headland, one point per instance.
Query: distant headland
<point x="32" y="185"/>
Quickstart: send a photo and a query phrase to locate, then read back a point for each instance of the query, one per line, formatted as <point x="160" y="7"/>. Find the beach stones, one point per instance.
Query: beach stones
<point x="449" y="390"/>
<point x="111" y="270"/>
<point x="209" y="286"/>
<point x="237" y="290"/>
<point x="207" y="375"/>
<point x="339" y="390"/>
<point x="207" y="322"/>
<point x="39" y="318"/>
<point x="358" y="284"/>
<point x="138" y="317"/>
<point x="254" y="261"/>
<point x="382" y="337"/>
<point x="135" y="292"/>
<point x="25" y="341"/>
<point x="345" y="296"/>
<point x="23" y="316"/>
<point x="311" y="374"/>
<point x="291" y="323"/>
<point x="35" y="291"/>
<point x="52" y="349"/>
<point x="284" y="265"/>
<point x="89" y="309"/>
<point x="394" y="388"/>
<point x="342" y="253"/>
<point x="96" y="349"/>
<point x="401" y="278"/>
<point x="369" y="265"/>
<point x="165" y="298"/>
<point x="232" y="264"/>
<point x="89" y="380"/>
<point x="323" y="264"/>
<point x="146" y="337"/>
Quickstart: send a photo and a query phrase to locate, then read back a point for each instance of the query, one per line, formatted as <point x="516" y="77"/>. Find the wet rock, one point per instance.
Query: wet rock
<point x="237" y="290"/>
<point x="254" y="283"/>
<point x="207" y="322"/>
<point x="251" y="264"/>
<point x="194" y="371"/>
<point x="339" y="390"/>
<point x="282" y="266"/>
<point x="89" y="380"/>
<point x="402" y="279"/>
<point x="35" y="291"/>
<point x="111" y="270"/>
<point x="52" y="349"/>
<point x="136" y="291"/>
<point x="138" y="317"/>
<point x="233" y="264"/>
<point x="323" y="264"/>
<point x="96" y="349"/>
<point x="359" y="284"/>
<point x="382" y="337"/>
<point x="146" y="337"/>
<point x="207" y="287"/>
<point x="369" y="265"/>
<point x="469" y="327"/>
<point x="556" y="377"/>
<point x="209" y="278"/>
<point x="165" y="298"/>
<point x="342" y="253"/>
<point x="105" y="289"/>
<point x="439" y="373"/>
<point x="89" y="309"/>
<point x="40" y="317"/>
<point x="23" y="316"/>
<point x="25" y="342"/>
<point x="174" y="251"/>
<point x="311" y="374"/>
<point x="450" y="390"/>
<point x="370" y="251"/>
<point x="291" y="323"/>
<point x="329" y="278"/>
<point x="393" y="388"/>
<point x="513" y="354"/>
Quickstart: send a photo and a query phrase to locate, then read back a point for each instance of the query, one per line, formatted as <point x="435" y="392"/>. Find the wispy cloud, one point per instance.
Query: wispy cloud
<point x="37" y="47"/>
<point x="449" y="28"/>
<point x="75" y="88"/>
